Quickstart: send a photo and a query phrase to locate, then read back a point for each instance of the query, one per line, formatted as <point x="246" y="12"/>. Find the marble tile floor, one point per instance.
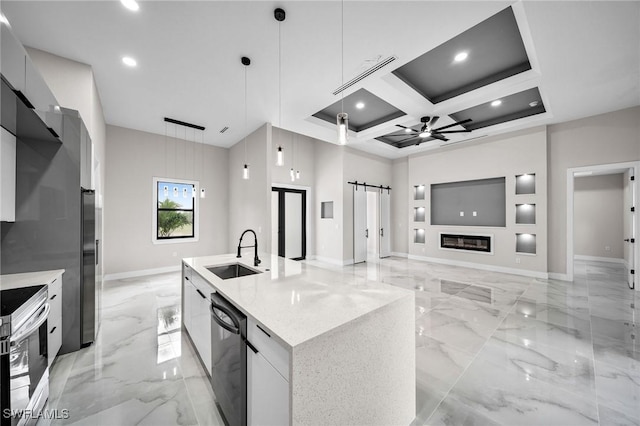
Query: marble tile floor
<point x="491" y="348"/>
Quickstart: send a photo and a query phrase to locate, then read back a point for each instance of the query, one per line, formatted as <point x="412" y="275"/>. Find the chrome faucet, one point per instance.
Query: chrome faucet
<point x="256" y="260"/>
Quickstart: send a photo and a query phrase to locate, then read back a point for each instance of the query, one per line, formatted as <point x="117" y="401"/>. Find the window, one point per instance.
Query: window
<point x="175" y="215"/>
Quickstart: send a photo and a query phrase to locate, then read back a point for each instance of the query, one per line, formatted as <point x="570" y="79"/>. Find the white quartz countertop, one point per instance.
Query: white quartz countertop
<point x="27" y="279"/>
<point x="296" y="301"/>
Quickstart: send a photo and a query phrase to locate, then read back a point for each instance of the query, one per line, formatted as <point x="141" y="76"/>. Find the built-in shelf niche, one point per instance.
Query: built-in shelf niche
<point x="525" y="214"/>
<point x="326" y="210"/>
<point x="418" y="214"/>
<point x="526" y="243"/>
<point x="418" y="236"/>
<point x="419" y="192"/>
<point x="526" y="184"/>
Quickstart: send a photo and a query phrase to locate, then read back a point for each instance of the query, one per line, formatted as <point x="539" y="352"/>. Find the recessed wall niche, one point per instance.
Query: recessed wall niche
<point x="526" y="184"/>
<point x="418" y="192"/>
<point x="526" y="243"/>
<point x="418" y="236"/>
<point x="525" y="214"/>
<point x="418" y="214"/>
<point x="326" y="210"/>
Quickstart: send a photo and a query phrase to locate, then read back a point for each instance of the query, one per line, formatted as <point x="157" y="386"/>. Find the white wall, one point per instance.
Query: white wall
<point x="598" y="216"/>
<point x="133" y="159"/>
<point x="603" y="139"/>
<point x="507" y="155"/>
<point x="400" y="206"/>
<point x="329" y="187"/>
<point x="250" y="200"/>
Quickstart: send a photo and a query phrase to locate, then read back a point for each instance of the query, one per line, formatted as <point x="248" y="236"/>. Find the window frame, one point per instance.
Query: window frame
<point x="155" y="239"/>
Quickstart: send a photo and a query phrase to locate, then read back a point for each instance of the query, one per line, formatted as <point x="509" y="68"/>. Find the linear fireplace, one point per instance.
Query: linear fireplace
<point x="478" y="243"/>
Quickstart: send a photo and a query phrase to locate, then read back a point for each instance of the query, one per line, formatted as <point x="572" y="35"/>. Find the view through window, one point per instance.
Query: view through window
<point x="175" y="210"/>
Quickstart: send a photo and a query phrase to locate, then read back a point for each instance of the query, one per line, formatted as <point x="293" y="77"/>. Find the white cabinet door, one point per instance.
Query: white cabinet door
<point x="268" y="393"/>
<point x="54" y="321"/>
<point x="187" y="299"/>
<point x="201" y="319"/>
<point x="7" y="176"/>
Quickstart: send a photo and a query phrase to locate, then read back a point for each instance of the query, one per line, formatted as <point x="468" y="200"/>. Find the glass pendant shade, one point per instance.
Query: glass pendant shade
<point x="245" y="172"/>
<point x="297" y="174"/>
<point x="280" y="159"/>
<point x="343" y="125"/>
<point x="292" y="174"/>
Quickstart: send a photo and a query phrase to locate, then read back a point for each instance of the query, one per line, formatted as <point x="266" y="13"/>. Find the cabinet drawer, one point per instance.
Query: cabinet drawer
<point x="276" y="354"/>
<point x="54" y="339"/>
<point x="55" y="300"/>
<point x="202" y="285"/>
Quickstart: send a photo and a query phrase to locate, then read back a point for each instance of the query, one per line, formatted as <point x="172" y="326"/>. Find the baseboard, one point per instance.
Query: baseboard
<point x="598" y="258"/>
<point x="141" y="273"/>
<point x="399" y="254"/>
<point x="483" y="267"/>
<point x="558" y="276"/>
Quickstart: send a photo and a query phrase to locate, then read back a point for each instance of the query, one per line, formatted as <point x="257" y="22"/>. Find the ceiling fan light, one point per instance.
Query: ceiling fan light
<point x="496" y="103"/>
<point x="407" y="130"/>
<point x="425" y="134"/>
<point x="342" y="120"/>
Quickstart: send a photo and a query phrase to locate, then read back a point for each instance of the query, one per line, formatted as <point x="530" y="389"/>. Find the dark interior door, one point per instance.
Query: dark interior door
<point x="292" y="225"/>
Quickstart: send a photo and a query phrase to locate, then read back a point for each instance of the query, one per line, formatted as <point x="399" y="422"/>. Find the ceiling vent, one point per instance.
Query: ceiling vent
<point x="224" y="129"/>
<point x="365" y="74"/>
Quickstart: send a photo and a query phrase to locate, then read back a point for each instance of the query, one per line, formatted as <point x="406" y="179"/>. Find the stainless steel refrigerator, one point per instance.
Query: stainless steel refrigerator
<point x="88" y="293"/>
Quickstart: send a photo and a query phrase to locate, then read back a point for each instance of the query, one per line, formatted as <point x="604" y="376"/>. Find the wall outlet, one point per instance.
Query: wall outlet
<point x="461" y="213"/>
<point x="607" y="248"/>
<point x="423" y="249"/>
<point x="475" y="213"/>
<point x="517" y="260"/>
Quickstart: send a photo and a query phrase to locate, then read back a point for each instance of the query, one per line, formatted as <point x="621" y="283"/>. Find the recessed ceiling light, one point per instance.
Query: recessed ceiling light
<point x="128" y="61"/>
<point x="496" y="103"/>
<point x="360" y="105"/>
<point x="130" y="4"/>
<point x="461" y="56"/>
<point x="533" y="104"/>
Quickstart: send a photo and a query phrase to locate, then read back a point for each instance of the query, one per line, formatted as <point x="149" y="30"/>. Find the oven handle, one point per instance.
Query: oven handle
<point x="42" y="317"/>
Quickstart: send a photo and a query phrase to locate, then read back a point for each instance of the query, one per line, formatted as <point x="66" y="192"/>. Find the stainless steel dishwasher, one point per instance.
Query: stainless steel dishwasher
<point x="229" y="360"/>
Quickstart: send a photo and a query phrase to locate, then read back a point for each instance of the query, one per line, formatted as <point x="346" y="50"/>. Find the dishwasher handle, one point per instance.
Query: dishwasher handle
<point x="230" y="328"/>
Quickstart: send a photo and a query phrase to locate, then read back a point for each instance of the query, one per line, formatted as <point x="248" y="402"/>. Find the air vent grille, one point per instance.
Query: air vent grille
<point x="364" y="75"/>
<point x="224" y="129"/>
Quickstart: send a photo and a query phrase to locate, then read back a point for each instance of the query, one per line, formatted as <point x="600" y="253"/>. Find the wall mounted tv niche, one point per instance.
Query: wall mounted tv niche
<point x="479" y="202"/>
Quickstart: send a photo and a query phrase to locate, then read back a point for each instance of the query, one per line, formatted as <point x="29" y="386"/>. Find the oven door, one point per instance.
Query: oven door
<point x="28" y="364"/>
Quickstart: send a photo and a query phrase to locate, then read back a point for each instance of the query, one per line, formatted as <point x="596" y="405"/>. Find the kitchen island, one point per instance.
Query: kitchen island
<point x="342" y="348"/>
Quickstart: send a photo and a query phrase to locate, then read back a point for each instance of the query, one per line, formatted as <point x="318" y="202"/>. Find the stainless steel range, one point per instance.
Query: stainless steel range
<point x="24" y="371"/>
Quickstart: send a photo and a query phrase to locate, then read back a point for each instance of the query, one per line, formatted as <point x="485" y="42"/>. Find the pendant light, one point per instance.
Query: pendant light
<point x="280" y="15"/>
<point x="342" y="118"/>
<point x="245" y="170"/>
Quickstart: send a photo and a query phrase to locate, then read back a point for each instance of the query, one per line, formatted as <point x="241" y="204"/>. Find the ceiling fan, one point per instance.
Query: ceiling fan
<point x="427" y="131"/>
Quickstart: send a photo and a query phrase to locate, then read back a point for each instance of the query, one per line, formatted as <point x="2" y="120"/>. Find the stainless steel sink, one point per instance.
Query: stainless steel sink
<point x="233" y="270"/>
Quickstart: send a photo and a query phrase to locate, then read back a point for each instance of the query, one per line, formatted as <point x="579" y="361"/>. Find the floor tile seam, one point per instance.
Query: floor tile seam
<point x="475" y="357"/>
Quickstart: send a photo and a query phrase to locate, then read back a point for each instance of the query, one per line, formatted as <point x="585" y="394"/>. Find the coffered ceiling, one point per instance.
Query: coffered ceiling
<point x="572" y="59"/>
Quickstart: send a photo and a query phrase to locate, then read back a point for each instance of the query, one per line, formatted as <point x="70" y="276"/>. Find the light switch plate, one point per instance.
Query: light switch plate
<point x="461" y="213"/>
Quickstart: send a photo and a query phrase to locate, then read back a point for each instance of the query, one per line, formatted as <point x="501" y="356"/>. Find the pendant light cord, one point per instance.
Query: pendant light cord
<point x="342" y="53"/>
<point x="279" y="76"/>
<point x="245" y="114"/>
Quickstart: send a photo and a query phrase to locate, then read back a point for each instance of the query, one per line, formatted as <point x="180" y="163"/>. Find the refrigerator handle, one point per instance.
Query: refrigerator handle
<point x="97" y="251"/>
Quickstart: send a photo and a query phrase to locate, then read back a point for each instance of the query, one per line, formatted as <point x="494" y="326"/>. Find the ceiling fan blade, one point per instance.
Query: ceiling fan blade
<point x="455" y="131"/>
<point x="439" y="136"/>
<point x="434" y="119"/>
<point x="453" y="125"/>
<point x="407" y="128"/>
<point x="408" y="139"/>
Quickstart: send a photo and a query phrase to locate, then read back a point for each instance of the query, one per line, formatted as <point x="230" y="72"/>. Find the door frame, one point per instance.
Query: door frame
<point x="596" y="169"/>
<point x="281" y="190"/>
